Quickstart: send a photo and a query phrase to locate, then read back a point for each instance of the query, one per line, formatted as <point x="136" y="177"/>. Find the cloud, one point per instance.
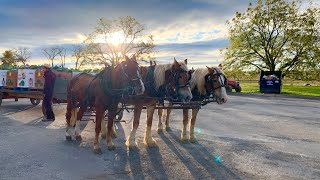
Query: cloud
<point x="190" y="28"/>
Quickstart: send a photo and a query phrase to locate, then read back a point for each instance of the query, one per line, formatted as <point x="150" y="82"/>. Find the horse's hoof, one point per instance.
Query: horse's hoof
<point x="103" y="136"/>
<point x="193" y="140"/>
<point x="131" y="145"/>
<point x="152" y="144"/>
<point x="79" y="138"/>
<point x="97" y="151"/>
<point x="114" y="135"/>
<point x="111" y="147"/>
<point x="184" y="141"/>
<point x="159" y="131"/>
<point x="168" y="129"/>
<point x="68" y="138"/>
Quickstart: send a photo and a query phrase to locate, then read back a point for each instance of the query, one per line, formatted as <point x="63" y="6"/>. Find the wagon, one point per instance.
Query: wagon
<point x="12" y="88"/>
<point x="34" y="96"/>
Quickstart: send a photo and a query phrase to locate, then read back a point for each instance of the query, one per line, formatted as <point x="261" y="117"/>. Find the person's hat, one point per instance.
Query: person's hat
<point x="47" y="66"/>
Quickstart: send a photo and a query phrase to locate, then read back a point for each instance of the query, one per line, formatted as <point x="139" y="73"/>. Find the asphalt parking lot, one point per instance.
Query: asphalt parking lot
<point x="249" y="137"/>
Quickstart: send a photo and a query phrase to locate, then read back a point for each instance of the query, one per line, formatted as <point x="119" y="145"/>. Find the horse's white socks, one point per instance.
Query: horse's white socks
<point x="77" y="128"/>
<point x="68" y="131"/>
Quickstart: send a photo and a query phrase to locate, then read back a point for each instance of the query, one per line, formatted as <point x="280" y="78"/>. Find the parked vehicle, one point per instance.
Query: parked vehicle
<point x="233" y="85"/>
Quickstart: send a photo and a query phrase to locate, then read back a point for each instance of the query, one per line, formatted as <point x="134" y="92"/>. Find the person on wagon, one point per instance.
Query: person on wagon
<point x="49" y="79"/>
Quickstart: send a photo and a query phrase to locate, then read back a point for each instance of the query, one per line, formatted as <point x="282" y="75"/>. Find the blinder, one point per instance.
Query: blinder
<point x="177" y="76"/>
<point x="210" y="79"/>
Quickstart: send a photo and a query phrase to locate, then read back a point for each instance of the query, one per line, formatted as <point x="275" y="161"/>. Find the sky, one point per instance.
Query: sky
<point x="186" y="29"/>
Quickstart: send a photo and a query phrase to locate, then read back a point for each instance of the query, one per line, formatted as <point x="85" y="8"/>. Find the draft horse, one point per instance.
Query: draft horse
<point x="161" y="81"/>
<point x="169" y="81"/>
<point x="204" y="82"/>
<point x="101" y="92"/>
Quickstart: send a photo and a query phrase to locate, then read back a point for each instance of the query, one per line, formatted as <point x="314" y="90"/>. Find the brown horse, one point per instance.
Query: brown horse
<point x="167" y="80"/>
<point x="204" y="82"/>
<point x="102" y="92"/>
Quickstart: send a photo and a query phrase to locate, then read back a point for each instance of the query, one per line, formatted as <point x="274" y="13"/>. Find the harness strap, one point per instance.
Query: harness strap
<point x="86" y="100"/>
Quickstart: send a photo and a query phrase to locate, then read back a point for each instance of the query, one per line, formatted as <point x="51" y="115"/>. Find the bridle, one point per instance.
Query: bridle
<point x="175" y="85"/>
<point x="211" y="79"/>
<point x="177" y="77"/>
<point x="127" y="76"/>
<point x="106" y="84"/>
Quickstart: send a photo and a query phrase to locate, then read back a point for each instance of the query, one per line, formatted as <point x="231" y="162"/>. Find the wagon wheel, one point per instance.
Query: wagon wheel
<point x="34" y="101"/>
<point x="43" y="109"/>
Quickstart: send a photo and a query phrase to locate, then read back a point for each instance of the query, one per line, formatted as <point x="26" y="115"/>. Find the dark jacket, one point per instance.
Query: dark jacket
<point x="49" y="79"/>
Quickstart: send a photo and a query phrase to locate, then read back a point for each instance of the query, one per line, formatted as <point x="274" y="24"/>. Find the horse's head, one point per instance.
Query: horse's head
<point x="215" y="83"/>
<point x="129" y="76"/>
<point x="178" y="77"/>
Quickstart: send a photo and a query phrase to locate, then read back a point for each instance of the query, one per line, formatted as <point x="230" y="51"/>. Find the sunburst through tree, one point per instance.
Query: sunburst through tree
<point x="113" y="39"/>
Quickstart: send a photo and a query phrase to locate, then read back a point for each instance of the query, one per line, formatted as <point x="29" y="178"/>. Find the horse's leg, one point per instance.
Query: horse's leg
<point x="192" y="123"/>
<point x="131" y="143"/>
<point x="113" y="132"/>
<point x="112" y="111"/>
<point x="148" y="140"/>
<point x="184" y="138"/>
<point x="99" y="117"/>
<point x="104" y="130"/>
<point x="168" y="120"/>
<point x="79" y="117"/>
<point x="69" y="118"/>
<point x="70" y="122"/>
<point x="160" y="112"/>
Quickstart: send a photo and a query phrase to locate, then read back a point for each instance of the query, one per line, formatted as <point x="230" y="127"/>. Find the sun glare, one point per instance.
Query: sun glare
<point x="114" y="38"/>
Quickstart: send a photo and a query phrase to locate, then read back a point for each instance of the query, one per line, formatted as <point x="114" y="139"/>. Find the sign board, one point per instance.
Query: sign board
<point x="3" y="77"/>
<point x="269" y="83"/>
<point x="26" y="77"/>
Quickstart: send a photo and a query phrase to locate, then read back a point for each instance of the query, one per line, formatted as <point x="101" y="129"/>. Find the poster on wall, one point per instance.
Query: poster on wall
<point x="3" y="77"/>
<point x="26" y="77"/>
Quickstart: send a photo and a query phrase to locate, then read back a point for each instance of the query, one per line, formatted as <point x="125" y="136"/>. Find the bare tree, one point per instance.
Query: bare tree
<point x="22" y="54"/>
<point x="51" y="53"/>
<point x="113" y="39"/>
<point x="79" y="53"/>
<point x="62" y="53"/>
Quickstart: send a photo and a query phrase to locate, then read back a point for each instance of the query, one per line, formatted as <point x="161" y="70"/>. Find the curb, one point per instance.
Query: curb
<point x="275" y="95"/>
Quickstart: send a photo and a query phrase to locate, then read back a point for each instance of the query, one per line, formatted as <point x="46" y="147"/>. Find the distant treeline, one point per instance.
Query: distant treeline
<point x="306" y="75"/>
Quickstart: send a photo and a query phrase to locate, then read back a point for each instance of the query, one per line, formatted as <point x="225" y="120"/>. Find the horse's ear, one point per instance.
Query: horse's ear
<point x="211" y="71"/>
<point x="154" y="62"/>
<point x="126" y="57"/>
<point x="175" y="62"/>
<point x="186" y="61"/>
<point x="150" y="63"/>
<point x="134" y="57"/>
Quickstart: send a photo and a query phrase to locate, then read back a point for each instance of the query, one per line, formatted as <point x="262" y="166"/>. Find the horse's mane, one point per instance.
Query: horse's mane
<point x="159" y="72"/>
<point x="197" y="80"/>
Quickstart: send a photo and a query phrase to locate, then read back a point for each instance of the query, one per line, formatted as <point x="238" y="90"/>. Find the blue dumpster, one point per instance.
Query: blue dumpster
<point x="270" y="81"/>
